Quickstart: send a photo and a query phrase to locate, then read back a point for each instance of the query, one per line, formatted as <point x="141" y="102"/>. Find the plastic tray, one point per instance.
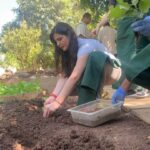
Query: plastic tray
<point x="89" y="114"/>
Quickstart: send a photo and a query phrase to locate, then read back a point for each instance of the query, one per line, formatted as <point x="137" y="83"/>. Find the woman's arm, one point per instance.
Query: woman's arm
<point x="60" y="84"/>
<point x="72" y="80"/>
<point x="101" y="23"/>
<point x="68" y="86"/>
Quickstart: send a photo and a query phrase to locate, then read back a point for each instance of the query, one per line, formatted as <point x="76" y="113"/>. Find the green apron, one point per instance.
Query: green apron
<point x="92" y="78"/>
<point x="139" y="69"/>
<point x="125" y="45"/>
<point x="125" y="41"/>
<point x="133" y="54"/>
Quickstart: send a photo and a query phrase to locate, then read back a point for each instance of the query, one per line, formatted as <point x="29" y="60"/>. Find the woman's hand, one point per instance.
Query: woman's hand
<point x="49" y="100"/>
<point x="50" y="108"/>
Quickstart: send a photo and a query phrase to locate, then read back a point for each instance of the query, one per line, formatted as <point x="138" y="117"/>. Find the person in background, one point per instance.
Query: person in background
<point x="107" y="35"/>
<point x="134" y="34"/>
<point x="103" y="20"/>
<point x="81" y="29"/>
<point x="84" y="64"/>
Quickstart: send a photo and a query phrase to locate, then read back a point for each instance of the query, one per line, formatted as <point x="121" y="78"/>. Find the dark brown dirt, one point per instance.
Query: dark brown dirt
<point x="22" y="127"/>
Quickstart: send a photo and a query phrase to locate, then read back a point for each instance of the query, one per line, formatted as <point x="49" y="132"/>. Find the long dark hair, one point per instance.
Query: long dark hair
<point x="66" y="60"/>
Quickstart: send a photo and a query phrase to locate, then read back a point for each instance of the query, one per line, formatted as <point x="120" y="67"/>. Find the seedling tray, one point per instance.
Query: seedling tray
<point x="95" y="112"/>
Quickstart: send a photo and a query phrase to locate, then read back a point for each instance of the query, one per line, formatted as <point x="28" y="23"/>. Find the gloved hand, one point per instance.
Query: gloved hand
<point x="119" y="95"/>
<point x="142" y="26"/>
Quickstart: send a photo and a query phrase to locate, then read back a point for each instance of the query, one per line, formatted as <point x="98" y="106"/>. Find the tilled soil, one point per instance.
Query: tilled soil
<point x="22" y="127"/>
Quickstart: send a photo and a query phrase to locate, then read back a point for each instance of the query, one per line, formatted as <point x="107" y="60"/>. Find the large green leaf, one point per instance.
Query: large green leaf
<point x="116" y="12"/>
<point x="135" y="2"/>
<point x="144" y="6"/>
<point x="137" y="8"/>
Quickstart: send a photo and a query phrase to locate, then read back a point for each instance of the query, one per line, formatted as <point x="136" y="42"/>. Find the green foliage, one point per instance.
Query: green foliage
<point x="24" y="46"/>
<point x="19" y="88"/>
<point x="10" y="60"/>
<point x="72" y="12"/>
<point x="43" y="15"/>
<point x="39" y="13"/>
<point x="98" y="7"/>
<point x="46" y="58"/>
<point x="136" y="8"/>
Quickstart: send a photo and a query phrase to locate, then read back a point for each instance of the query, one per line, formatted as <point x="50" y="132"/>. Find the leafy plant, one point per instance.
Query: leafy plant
<point x="40" y="17"/>
<point x="19" y="88"/>
<point x="132" y="8"/>
<point x="23" y="45"/>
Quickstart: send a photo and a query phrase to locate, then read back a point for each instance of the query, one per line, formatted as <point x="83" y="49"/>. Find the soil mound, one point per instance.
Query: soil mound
<point x="22" y="127"/>
<point x="75" y="140"/>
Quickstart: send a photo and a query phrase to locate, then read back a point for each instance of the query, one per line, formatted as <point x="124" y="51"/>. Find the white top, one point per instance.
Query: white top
<point x="82" y="29"/>
<point x="86" y="46"/>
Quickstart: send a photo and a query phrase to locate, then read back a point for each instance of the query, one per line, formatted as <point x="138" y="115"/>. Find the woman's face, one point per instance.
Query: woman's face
<point x="62" y="41"/>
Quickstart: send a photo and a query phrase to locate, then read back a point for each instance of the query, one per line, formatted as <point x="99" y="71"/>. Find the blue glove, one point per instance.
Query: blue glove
<point x="142" y="26"/>
<point x="118" y="96"/>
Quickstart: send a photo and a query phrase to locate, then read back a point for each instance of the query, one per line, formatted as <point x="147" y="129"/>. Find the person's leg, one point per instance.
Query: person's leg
<point x="99" y="71"/>
<point x="91" y="80"/>
<point x="111" y="74"/>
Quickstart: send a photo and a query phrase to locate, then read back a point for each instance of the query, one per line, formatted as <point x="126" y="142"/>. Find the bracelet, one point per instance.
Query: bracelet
<point x="54" y="95"/>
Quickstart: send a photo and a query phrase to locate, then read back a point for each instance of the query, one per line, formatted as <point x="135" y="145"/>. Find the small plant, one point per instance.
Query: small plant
<point x="19" y="88"/>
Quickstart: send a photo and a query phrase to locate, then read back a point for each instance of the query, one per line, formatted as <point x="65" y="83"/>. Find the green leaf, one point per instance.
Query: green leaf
<point x="135" y="2"/>
<point x="122" y="9"/>
<point x="120" y="2"/>
<point x="144" y="6"/>
<point x="116" y="12"/>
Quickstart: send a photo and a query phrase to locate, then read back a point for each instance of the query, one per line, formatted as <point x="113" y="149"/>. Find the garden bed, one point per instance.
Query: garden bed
<point x="22" y="127"/>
